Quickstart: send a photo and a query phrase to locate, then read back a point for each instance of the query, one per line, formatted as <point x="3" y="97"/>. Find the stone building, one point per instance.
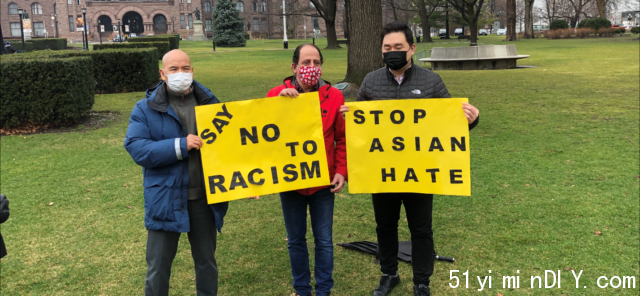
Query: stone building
<point x="63" y="18"/>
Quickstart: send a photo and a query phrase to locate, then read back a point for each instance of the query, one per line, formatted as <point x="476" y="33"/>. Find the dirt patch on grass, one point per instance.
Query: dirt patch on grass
<point x="95" y="119"/>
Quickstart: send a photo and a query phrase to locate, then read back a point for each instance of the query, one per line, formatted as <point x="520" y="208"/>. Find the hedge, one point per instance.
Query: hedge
<point x="595" y="23"/>
<point x="45" y="90"/>
<point x="115" y="70"/>
<point x="559" y="24"/>
<point x="163" y="47"/>
<point x="174" y="40"/>
<point x="49" y="43"/>
<point x="635" y="30"/>
<point x="17" y="45"/>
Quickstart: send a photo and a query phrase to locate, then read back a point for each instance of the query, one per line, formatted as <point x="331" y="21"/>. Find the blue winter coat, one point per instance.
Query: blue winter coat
<point x="156" y="140"/>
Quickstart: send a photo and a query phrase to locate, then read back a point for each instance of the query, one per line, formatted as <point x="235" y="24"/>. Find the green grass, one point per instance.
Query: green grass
<point x="554" y="159"/>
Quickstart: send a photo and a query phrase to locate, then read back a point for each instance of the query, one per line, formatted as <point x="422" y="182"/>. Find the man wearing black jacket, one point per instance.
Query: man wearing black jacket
<point x="401" y="79"/>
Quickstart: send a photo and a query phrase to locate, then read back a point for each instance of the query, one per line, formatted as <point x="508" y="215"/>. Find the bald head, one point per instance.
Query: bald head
<point x="173" y="62"/>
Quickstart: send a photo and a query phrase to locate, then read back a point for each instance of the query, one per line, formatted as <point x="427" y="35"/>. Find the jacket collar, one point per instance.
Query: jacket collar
<point x="288" y="83"/>
<point x="157" y="96"/>
<point x="407" y="74"/>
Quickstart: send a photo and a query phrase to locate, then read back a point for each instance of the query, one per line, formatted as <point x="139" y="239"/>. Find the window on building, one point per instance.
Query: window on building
<point x="69" y="2"/>
<point x="13" y="8"/>
<point x="256" y="24"/>
<point x="263" y="6"/>
<point x="72" y="24"/>
<point x="55" y="9"/>
<point x="38" y="29"/>
<point x="78" y="2"/>
<point x="181" y="1"/>
<point x="240" y="6"/>
<point x="15" y="30"/>
<point x="159" y="22"/>
<point x="264" y="24"/>
<point x="190" y="21"/>
<point x="182" y="21"/>
<point x="188" y="1"/>
<point x="254" y="6"/>
<point x="207" y="6"/>
<point x="207" y="25"/>
<point x="316" y="25"/>
<point x="36" y="8"/>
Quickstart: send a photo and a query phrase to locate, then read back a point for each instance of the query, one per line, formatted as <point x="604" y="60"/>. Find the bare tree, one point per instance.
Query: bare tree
<point x="528" y="19"/>
<point x="578" y="7"/>
<point x="425" y="9"/>
<point x="469" y="11"/>
<point x="511" y="21"/>
<point x="520" y="14"/>
<point x="364" y="52"/>
<point x="327" y="10"/>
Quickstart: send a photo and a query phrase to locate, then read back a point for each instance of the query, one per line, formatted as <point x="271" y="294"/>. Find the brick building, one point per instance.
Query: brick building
<point x="262" y="18"/>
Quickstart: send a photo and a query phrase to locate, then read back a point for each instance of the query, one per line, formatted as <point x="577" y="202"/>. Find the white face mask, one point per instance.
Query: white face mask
<point x="179" y="82"/>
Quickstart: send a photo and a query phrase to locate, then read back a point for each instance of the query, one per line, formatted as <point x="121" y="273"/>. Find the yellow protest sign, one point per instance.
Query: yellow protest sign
<point x="419" y="146"/>
<point x="262" y="146"/>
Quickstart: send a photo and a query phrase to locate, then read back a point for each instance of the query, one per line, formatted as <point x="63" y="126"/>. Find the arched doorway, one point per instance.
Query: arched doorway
<point x="134" y="21"/>
<point x="105" y="20"/>
<point x="159" y="24"/>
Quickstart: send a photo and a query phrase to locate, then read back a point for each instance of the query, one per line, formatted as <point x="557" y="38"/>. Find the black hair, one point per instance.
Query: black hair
<point x="397" y="26"/>
<point x="296" y="53"/>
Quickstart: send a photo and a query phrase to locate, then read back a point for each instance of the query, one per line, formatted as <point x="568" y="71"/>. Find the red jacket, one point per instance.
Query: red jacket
<point x="333" y="125"/>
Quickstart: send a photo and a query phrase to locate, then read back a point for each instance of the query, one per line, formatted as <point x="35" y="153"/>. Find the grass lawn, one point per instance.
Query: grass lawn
<point x="555" y="160"/>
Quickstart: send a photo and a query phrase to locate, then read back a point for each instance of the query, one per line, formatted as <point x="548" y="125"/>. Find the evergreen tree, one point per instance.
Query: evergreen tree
<point x="228" y="27"/>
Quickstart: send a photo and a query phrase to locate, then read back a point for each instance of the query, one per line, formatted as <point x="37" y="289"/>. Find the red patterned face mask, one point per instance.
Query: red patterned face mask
<point x="309" y="75"/>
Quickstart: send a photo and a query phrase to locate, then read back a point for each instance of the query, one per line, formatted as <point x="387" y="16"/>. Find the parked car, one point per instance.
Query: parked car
<point x="501" y="32"/>
<point x="132" y="35"/>
<point x="483" y="32"/>
<point x="458" y="32"/>
<point x="118" y="38"/>
<point x="442" y="33"/>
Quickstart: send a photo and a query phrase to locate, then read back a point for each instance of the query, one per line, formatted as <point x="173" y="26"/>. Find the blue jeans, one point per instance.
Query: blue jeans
<point x="294" y="210"/>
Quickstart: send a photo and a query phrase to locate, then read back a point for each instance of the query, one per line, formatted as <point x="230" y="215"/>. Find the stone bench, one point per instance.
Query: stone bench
<point x="474" y="57"/>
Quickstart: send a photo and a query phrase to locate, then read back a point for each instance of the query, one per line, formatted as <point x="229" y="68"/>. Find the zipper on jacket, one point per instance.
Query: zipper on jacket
<point x="398" y="92"/>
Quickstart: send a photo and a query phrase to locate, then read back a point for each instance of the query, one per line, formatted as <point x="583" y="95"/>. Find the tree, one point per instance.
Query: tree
<point x="364" y="53"/>
<point x="228" y="27"/>
<point x="578" y="7"/>
<point x="327" y="10"/>
<point x="528" y="19"/>
<point x="425" y="9"/>
<point x="511" y="20"/>
<point x="470" y="11"/>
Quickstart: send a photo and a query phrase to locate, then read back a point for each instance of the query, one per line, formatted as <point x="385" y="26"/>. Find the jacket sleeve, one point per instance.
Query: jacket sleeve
<point x="440" y="91"/>
<point x="147" y="152"/>
<point x="362" y="93"/>
<point x="340" y="139"/>
<point x="4" y="208"/>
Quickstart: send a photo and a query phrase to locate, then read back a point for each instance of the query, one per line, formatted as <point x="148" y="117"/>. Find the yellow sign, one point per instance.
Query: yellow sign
<point x="419" y="146"/>
<point x="262" y="146"/>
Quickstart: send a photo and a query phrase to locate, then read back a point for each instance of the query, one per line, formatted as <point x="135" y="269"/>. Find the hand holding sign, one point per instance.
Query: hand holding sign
<point x="193" y="142"/>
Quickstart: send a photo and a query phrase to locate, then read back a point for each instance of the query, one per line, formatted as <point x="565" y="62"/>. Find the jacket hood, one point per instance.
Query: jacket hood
<point x="157" y="96"/>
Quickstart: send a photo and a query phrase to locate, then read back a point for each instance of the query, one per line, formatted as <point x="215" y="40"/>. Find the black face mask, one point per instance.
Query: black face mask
<point x="395" y="60"/>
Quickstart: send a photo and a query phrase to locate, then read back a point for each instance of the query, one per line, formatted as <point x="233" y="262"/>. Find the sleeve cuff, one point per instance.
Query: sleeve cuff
<point x="181" y="148"/>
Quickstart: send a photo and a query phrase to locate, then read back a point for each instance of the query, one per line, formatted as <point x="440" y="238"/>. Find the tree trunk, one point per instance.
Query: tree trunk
<point x="332" y="37"/>
<point x="602" y="8"/>
<point x="364" y="53"/>
<point x="424" y="21"/>
<point x="473" y="26"/>
<point x="447" y="19"/>
<point x="511" y="20"/>
<point x="528" y="19"/>
<point x="346" y="20"/>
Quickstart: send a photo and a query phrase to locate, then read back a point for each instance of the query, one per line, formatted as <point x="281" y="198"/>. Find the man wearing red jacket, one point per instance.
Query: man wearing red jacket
<point x="306" y="66"/>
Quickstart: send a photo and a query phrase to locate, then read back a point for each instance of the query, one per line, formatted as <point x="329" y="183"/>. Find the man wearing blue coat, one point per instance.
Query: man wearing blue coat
<point x="162" y="138"/>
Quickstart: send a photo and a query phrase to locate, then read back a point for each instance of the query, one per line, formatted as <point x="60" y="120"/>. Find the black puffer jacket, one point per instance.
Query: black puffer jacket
<point x="418" y="83"/>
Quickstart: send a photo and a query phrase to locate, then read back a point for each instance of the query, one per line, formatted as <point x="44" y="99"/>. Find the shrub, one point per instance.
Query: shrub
<point x="635" y="30"/>
<point x="52" y="90"/>
<point x="583" y="33"/>
<point x="559" y="24"/>
<point x="149" y="39"/>
<point x="174" y="40"/>
<point x="163" y="47"/>
<point x="49" y="43"/>
<point x="595" y="23"/>
<point x="621" y="31"/>
<point x="115" y="70"/>
<point x="606" y="32"/>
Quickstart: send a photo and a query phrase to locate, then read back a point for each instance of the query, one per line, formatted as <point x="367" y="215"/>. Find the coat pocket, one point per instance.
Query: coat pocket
<point x="158" y="195"/>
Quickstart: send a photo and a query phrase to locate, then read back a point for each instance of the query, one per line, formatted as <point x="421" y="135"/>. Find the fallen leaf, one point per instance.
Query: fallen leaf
<point x="128" y="207"/>
<point x="125" y="185"/>
<point x="598" y="233"/>
<point x="567" y="268"/>
<point x="506" y="185"/>
<point x="527" y="184"/>
<point x="88" y="190"/>
<point x="637" y="177"/>
<point x="51" y="203"/>
<point x="349" y="235"/>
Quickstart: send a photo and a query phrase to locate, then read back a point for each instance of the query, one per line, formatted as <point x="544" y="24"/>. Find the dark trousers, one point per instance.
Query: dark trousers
<point x="163" y="245"/>
<point x="386" y="207"/>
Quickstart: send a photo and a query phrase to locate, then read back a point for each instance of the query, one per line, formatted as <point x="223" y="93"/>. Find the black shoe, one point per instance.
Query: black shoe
<point x="421" y="290"/>
<point x="387" y="282"/>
